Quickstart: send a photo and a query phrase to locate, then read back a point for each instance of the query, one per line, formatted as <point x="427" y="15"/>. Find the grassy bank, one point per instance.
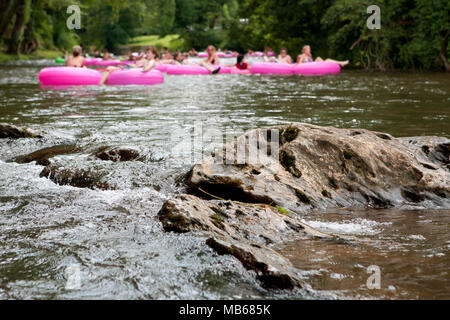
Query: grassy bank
<point x="39" y="54"/>
<point x="171" y="41"/>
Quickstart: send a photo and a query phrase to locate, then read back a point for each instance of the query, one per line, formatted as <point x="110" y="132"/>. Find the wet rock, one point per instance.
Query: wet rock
<point x="10" y="131"/>
<point x="42" y="156"/>
<point x="301" y="167"/>
<point x="243" y="230"/>
<point x="117" y="154"/>
<point x="80" y="177"/>
<point x="273" y="270"/>
<point x="323" y="167"/>
<point x="258" y="223"/>
<point x="432" y="152"/>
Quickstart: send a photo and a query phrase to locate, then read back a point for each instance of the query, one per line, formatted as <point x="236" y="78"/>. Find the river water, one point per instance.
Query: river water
<point x="112" y="243"/>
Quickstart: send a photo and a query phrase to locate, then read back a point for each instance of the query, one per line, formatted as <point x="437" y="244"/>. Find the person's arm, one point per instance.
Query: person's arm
<point x="148" y="66"/>
<point x="203" y="62"/>
<point x="82" y="62"/>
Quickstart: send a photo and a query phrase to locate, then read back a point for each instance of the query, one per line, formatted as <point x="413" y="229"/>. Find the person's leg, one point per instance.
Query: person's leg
<point x="106" y="74"/>
<point x="209" y="67"/>
<point x="206" y="65"/>
<point x="341" y="63"/>
<point x="104" y="77"/>
<point x="319" y="59"/>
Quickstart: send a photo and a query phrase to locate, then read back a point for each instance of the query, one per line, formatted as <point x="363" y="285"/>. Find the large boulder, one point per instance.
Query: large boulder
<point x="322" y="167"/>
<point x="10" y="131"/>
<point x="269" y="177"/>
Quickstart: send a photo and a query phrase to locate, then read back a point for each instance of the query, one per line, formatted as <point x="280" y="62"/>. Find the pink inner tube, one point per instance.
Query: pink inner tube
<point x="202" y="55"/>
<point x="125" y="62"/>
<point x="192" y="70"/>
<point x="225" y="55"/>
<point x="317" y="68"/>
<point x="163" y="67"/>
<point x="239" y="71"/>
<point x="256" y="54"/>
<point x="272" y="68"/>
<point x="68" y="76"/>
<point x="135" y="76"/>
<point x="97" y="62"/>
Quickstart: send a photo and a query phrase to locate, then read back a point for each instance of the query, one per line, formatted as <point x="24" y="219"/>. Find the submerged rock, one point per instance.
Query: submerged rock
<point x="10" y="131"/>
<point x="302" y="167"/>
<point x="42" y="156"/>
<point x="93" y="172"/>
<point x="80" y="177"/>
<point x="116" y="154"/>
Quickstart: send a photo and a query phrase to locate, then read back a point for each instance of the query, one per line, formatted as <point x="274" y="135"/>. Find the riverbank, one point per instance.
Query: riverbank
<point x="172" y="41"/>
<point x="39" y="54"/>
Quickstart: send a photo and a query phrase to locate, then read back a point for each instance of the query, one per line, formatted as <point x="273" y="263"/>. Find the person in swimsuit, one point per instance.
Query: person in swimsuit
<point x="306" y="57"/>
<point x="192" y="52"/>
<point x="212" y="61"/>
<point x="241" y="64"/>
<point x="179" y="58"/>
<point x="106" y="55"/>
<point x="76" y="60"/>
<point x="284" y="57"/>
<point x="147" y="63"/>
<point x="266" y="57"/>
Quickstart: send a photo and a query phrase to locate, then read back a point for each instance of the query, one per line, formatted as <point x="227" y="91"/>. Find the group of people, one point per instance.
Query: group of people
<point x="151" y="58"/>
<point x="304" y="57"/>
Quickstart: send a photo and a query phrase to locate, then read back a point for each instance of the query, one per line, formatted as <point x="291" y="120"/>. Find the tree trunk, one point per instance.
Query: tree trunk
<point x="8" y="11"/>
<point x="443" y="52"/>
<point x="14" y="44"/>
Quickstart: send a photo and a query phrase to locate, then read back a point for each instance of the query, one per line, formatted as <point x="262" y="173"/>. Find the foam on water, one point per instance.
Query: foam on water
<point x="356" y="226"/>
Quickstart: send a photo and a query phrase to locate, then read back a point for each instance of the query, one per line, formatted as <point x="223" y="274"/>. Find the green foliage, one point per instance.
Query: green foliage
<point x="108" y="23"/>
<point x="414" y="34"/>
<point x="172" y="41"/>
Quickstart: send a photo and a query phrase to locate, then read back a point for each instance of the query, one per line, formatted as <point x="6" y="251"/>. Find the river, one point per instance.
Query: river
<point x="113" y="240"/>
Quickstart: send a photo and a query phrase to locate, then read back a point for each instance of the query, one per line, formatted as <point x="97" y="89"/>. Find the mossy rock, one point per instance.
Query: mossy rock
<point x="347" y="155"/>
<point x="326" y="194"/>
<point x="302" y="196"/>
<point x="289" y="134"/>
<point x="217" y="221"/>
<point x="288" y="163"/>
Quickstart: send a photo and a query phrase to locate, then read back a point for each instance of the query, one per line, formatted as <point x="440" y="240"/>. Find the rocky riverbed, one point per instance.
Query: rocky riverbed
<point x="245" y="206"/>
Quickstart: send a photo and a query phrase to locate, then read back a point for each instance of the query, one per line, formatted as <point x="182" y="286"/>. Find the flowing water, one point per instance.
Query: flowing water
<point x="112" y="240"/>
